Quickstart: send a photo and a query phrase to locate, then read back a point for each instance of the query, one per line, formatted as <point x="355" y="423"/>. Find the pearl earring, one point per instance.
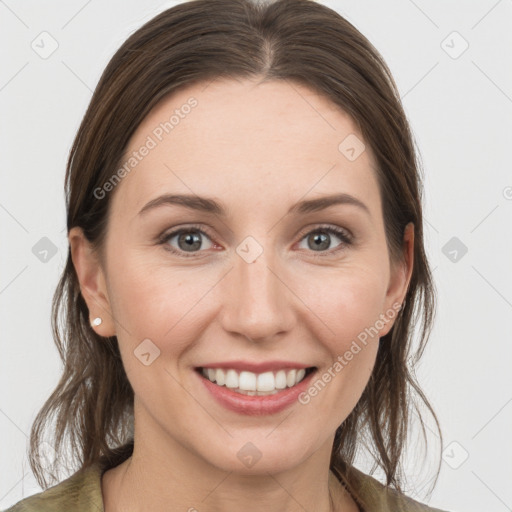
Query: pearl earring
<point x="96" y="321"/>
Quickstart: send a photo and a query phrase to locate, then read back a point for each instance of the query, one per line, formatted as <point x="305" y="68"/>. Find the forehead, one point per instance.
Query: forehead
<point x="259" y="143"/>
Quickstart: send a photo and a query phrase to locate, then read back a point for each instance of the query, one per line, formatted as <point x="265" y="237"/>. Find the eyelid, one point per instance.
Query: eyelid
<point x="331" y="228"/>
<point x="346" y="237"/>
<point x="166" y="236"/>
<point x="343" y="234"/>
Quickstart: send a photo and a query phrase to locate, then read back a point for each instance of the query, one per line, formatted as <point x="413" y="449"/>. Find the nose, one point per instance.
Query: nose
<point x="257" y="303"/>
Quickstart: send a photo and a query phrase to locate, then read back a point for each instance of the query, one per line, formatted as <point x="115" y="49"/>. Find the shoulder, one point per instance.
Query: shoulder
<point x="378" y="497"/>
<point x="81" y="492"/>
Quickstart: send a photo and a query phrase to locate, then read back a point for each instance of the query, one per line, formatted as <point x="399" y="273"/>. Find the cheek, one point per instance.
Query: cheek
<point x="159" y="305"/>
<point x="349" y="309"/>
<point x="348" y="304"/>
<point x="158" y="302"/>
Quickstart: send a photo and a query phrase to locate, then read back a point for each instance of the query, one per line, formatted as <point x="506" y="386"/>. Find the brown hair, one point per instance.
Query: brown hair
<point x="298" y="41"/>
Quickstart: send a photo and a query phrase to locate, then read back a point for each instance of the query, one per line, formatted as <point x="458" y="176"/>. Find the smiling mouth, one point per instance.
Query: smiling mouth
<point x="255" y="384"/>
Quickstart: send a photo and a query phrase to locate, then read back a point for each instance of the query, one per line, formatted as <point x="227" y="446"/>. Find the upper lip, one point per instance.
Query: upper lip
<point x="254" y="367"/>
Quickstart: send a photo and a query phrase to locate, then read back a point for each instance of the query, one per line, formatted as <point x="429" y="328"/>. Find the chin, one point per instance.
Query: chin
<point x="261" y="454"/>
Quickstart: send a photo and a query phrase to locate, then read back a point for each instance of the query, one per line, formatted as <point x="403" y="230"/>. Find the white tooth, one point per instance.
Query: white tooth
<point x="255" y="384"/>
<point x="300" y="375"/>
<point x="247" y="381"/>
<point x="266" y="382"/>
<point x="220" y="377"/>
<point x="290" y="378"/>
<point x="231" y="379"/>
<point x="280" y="379"/>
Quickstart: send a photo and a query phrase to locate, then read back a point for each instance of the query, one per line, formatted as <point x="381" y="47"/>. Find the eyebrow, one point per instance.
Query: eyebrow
<point x="208" y="205"/>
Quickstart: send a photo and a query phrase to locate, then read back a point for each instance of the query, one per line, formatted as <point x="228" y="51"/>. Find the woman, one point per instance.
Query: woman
<point x="246" y="267"/>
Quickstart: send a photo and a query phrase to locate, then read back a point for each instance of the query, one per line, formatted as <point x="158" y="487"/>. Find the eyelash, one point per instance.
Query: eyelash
<point x="342" y="234"/>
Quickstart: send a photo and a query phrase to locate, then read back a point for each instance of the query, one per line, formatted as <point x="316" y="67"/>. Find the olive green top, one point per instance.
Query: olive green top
<point x="81" y="492"/>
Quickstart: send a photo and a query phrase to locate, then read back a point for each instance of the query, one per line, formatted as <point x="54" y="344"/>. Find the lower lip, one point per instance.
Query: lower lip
<point x="256" y="405"/>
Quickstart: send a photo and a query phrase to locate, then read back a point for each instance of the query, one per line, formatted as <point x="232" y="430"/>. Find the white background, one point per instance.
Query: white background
<point x="460" y="110"/>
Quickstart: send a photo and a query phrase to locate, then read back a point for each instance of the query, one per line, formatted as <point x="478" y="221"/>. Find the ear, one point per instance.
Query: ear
<point x="399" y="279"/>
<point x="92" y="282"/>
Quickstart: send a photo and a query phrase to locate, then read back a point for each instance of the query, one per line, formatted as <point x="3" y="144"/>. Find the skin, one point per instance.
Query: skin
<point x="258" y="149"/>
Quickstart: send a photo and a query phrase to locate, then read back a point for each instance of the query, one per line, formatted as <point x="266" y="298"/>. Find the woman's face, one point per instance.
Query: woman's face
<point x="260" y="285"/>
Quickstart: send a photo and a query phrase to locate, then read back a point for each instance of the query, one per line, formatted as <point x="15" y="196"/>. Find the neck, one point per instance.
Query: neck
<point x="165" y="474"/>
<point x="151" y="483"/>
